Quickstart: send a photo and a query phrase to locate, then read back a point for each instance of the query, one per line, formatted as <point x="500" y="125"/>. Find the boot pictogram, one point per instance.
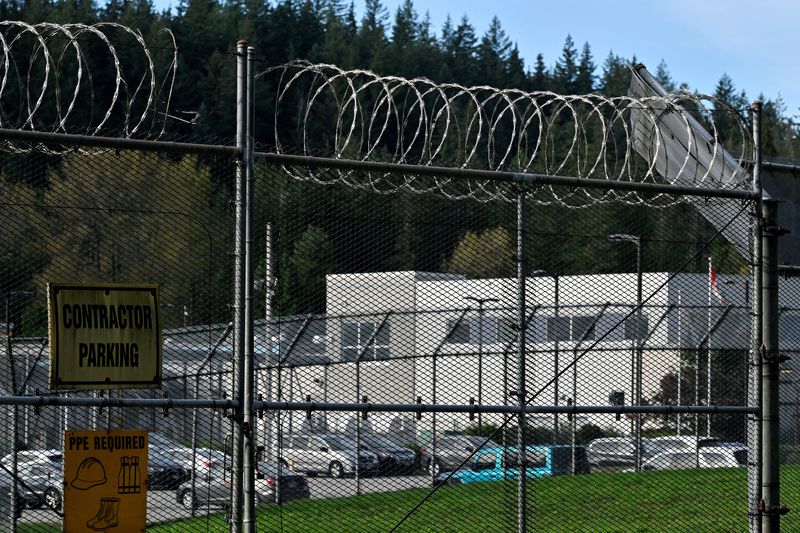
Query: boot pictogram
<point x="107" y="516"/>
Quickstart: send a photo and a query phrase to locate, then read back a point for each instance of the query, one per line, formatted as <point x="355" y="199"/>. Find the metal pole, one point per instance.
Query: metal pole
<point x="680" y="358"/>
<point x="481" y="302"/>
<point x="268" y="289"/>
<point x="754" y="377"/>
<point x="638" y="450"/>
<point x="248" y="418"/>
<point x="208" y="358"/>
<point x="431" y="466"/>
<point x="238" y="286"/>
<point x="636" y="370"/>
<point x="770" y="373"/>
<point x="574" y="425"/>
<point x="358" y="426"/>
<point x="521" y="368"/>
<point x="555" y="369"/>
<point x="14" y="415"/>
<point x="697" y="402"/>
<point x="708" y="352"/>
<point x="480" y="365"/>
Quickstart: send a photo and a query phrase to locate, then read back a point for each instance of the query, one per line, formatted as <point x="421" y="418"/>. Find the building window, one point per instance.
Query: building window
<point x="356" y="335"/>
<point x="558" y="328"/>
<point x="583" y="327"/>
<point x="459" y="335"/>
<point x="636" y="329"/>
<point x="507" y="330"/>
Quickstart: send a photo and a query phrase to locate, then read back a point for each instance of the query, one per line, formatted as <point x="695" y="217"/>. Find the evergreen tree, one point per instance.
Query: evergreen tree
<point x="371" y="36"/>
<point x="493" y="55"/>
<point x="663" y="77"/>
<point x="615" y="78"/>
<point x="584" y="78"/>
<point x="540" y="80"/>
<point x="516" y="76"/>
<point x="460" y="50"/>
<point x="725" y="112"/>
<point x="403" y="42"/>
<point x="566" y="69"/>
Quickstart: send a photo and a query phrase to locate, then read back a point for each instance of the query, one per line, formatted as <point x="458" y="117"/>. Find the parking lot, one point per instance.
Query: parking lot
<point x="162" y="505"/>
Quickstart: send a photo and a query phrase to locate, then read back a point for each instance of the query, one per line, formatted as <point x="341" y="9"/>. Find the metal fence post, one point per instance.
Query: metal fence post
<point x="14" y="422"/>
<point x="770" y="373"/>
<point x="248" y="418"/>
<point x="238" y="285"/>
<point x="521" y="392"/>
<point x="753" y="429"/>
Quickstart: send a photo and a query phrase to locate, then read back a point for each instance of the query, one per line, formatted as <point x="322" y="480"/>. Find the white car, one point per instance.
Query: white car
<point x="34" y="456"/>
<point x="707" y="457"/>
<point x="685" y="443"/>
<point x="206" y="460"/>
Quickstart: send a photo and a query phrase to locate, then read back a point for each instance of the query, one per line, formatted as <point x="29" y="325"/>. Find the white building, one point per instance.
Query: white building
<point x="399" y="323"/>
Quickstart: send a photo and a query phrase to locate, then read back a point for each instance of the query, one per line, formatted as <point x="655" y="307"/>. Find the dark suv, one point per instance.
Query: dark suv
<point x="451" y="452"/>
<point x="393" y="459"/>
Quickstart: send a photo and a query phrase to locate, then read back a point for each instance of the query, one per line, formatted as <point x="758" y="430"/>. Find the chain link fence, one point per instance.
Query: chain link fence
<point x="420" y="361"/>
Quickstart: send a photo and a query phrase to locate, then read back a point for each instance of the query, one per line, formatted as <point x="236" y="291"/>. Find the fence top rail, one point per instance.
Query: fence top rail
<point x="520" y="179"/>
<point x="366" y="407"/>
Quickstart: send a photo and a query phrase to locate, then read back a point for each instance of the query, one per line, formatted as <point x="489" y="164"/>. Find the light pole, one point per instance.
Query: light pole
<point x="481" y="302"/>
<point x="554" y="275"/>
<point x="636" y="240"/>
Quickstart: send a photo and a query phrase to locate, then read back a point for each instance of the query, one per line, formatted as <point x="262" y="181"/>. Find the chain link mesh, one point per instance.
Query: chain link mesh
<point x="400" y="292"/>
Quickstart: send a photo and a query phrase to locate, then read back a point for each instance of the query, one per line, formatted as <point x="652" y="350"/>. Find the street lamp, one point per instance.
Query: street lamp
<point x="481" y="302"/>
<point x="636" y="240"/>
<point x="554" y="275"/>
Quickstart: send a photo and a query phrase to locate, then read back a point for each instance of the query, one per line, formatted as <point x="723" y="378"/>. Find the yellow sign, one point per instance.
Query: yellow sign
<point x="105" y="481"/>
<point x="104" y="336"/>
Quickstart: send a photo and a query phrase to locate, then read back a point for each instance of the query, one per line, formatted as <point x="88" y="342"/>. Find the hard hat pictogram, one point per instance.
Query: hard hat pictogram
<point x="90" y="474"/>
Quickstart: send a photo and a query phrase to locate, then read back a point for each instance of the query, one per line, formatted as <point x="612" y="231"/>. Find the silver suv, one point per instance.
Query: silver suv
<point x="326" y="454"/>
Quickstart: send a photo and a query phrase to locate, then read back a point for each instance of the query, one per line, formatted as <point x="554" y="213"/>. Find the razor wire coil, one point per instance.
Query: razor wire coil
<point x="47" y="82"/>
<point x="368" y="117"/>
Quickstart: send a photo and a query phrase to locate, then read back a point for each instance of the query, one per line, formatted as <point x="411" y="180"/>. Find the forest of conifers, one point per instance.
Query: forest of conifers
<point x="318" y="230"/>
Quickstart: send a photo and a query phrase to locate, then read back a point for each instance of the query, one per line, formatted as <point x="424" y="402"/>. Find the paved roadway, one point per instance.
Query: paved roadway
<point x="162" y="505"/>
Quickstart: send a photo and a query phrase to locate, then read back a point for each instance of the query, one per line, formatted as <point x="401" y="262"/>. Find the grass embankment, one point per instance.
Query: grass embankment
<point x="686" y="500"/>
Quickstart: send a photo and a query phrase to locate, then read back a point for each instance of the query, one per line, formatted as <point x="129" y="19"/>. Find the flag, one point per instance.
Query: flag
<point x="713" y="285"/>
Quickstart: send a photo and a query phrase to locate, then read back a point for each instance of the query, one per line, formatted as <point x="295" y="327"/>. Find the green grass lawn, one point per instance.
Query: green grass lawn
<point x="686" y="500"/>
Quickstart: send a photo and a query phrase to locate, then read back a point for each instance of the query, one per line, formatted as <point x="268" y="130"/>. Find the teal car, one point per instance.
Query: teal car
<point x="494" y="464"/>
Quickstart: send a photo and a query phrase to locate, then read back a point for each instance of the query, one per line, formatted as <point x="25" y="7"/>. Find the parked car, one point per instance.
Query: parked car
<point x="707" y="457"/>
<point x="393" y="459"/>
<point x="34" y="456"/>
<point x="216" y="490"/>
<point x="164" y="472"/>
<point x="452" y="451"/>
<point x="206" y="460"/>
<point x="492" y="464"/>
<point x="682" y="443"/>
<point x="41" y="485"/>
<point x="620" y="451"/>
<point x="330" y="454"/>
<point x="158" y="442"/>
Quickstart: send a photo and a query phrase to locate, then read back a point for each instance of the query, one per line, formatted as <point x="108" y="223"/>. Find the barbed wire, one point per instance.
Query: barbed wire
<point x="48" y="84"/>
<point x="360" y="115"/>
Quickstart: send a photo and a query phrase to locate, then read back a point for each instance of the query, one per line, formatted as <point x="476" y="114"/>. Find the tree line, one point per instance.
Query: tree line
<point x="318" y="230"/>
